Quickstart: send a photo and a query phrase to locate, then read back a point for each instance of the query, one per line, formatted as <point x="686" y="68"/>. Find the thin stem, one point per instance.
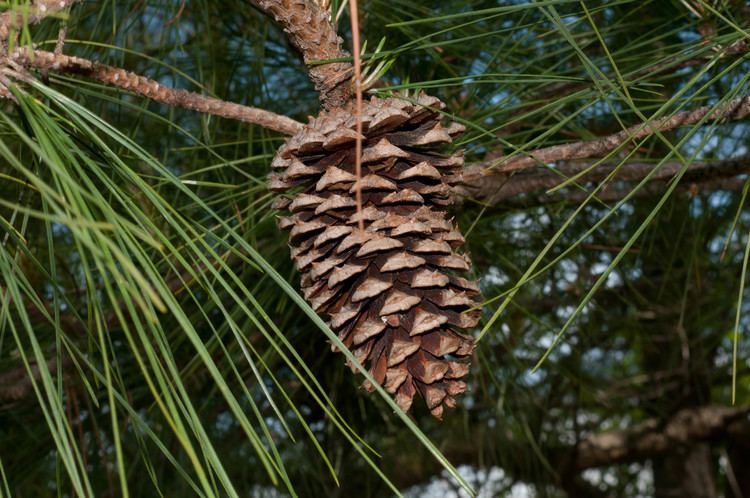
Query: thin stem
<point x="358" y="109"/>
<point x="153" y="90"/>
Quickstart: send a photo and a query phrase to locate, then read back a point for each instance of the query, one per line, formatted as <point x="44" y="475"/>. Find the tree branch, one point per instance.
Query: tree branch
<point x="481" y="180"/>
<point x="500" y="189"/>
<point x="310" y="31"/>
<point x="617" y="193"/>
<point x="732" y="110"/>
<point x="151" y="89"/>
<point x="648" y="439"/>
<point x="654" y="437"/>
<point x="36" y="12"/>
<point x="120" y="78"/>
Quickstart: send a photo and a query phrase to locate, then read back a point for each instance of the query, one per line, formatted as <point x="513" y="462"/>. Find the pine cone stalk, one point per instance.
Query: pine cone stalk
<point x="393" y="293"/>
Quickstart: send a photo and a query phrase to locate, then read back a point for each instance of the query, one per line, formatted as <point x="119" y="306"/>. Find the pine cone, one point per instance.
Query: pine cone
<point x="391" y="292"/>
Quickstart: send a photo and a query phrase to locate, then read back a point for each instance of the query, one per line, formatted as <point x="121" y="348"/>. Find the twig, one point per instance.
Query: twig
<point x="310" y="31"/>
<point x="498" y="189"/>
<point x="733" y="109"/>
<point x="120" y="78"/>
<point x="60" y="44"/>
<point x="153" y="90"/>
<point x="36" y="12"/>
<point x="560" y="90"/>
<point x="619" y="192"/>
<point x="354" y="14"/>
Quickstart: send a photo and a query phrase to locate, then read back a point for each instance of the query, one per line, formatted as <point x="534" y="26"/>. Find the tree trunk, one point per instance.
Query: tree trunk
<point x="675" y="345"/>
<point x="738" y="477"/>
<point x="685" y="474"/>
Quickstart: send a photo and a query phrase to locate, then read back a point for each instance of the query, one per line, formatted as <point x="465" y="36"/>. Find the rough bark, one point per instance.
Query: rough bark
<point x="310" y="31"/>
<point x="732" y="110"/>
<point x="616" y="194"/>
<point x="687" y="429"/>
<point x="526" y="189"/>
<point x="15" y="66"/>
<point x="738" y="477"/>
<point x="652" y="438"/>
<point x="153" y="90"/>
<point x="685" y="473"/>
<point x="527" y="183"/>
<point x="11" y="20"/>
<point x="687" y="466"/>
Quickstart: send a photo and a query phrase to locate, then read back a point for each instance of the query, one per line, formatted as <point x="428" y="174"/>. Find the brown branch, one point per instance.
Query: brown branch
<point x="499" y="189"/>
<point x="310" y="31"/>
<point x="617" y="193"/>
<point x="476" y="181"/>
<point x="120" y="78"/>
<point x="645" y="440"/>
<point x="151" y="89"/>
<point x="732" y="110"/>
<point x="654" y="437"/>
<point x="35" y="13"/>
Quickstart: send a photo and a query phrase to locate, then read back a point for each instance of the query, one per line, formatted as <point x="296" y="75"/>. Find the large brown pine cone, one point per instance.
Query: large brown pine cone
<point x="392" y="292"/>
